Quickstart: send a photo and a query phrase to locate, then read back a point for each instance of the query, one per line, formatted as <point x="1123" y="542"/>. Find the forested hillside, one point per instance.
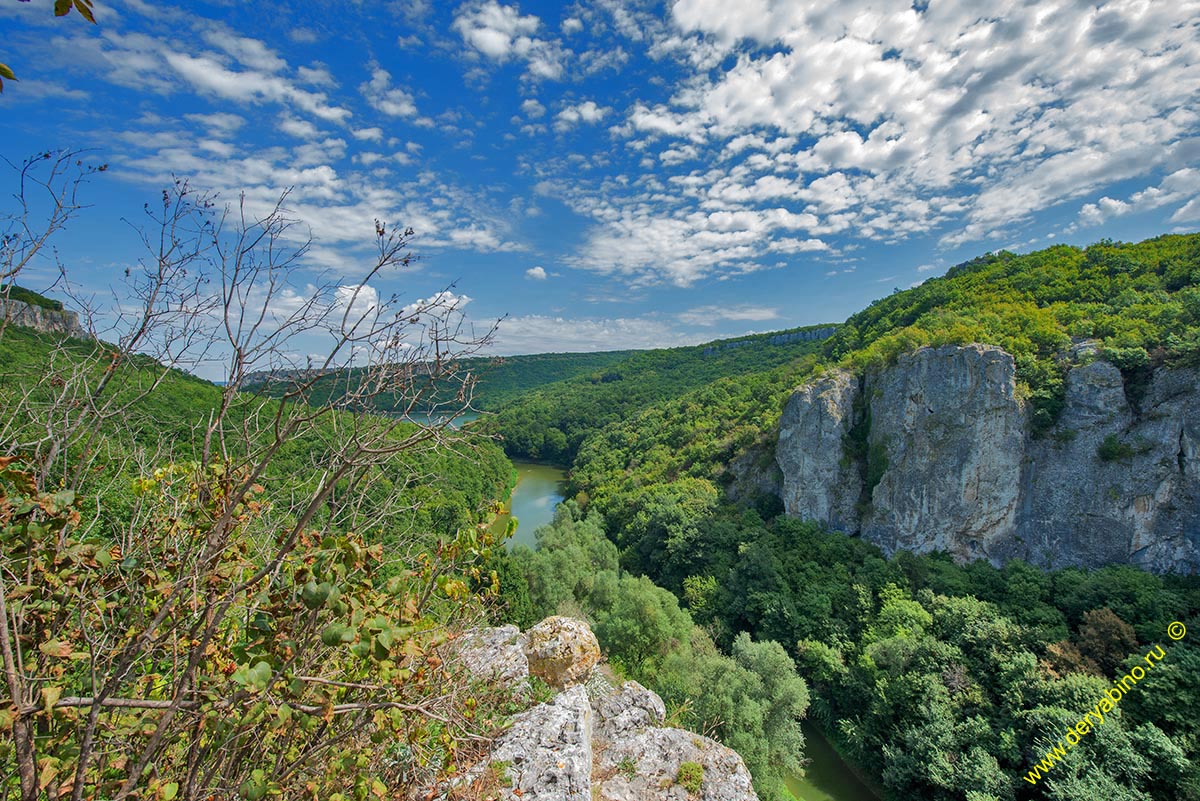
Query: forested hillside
<point x="942" y="681"/>
<point x="164" y="422"/>
<point x="552" y="422"/>
<point x="497" y="380"/>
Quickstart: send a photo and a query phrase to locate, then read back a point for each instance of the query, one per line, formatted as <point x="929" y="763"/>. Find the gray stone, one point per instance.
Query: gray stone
<point x="952" y="430"/>
<point x="819" y="482"/>
<point x="964" y="474"/>
<point x="495" y="654"/>
<point x="562" y="651"/>
<point x="629" y="709"/>
<point x="48" y="321"/>
<point x="644" y="767"/>
<point x="595" y="741"/>
<point x="549" y="750"/>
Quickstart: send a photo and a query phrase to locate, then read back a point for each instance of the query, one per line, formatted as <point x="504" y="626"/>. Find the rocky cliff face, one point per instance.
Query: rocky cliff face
<point x="65" y="323"/>
<point x="935" y="453"/>
<point x="593" y="741"/>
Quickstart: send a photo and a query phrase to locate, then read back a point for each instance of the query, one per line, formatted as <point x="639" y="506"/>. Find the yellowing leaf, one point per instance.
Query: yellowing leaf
<point x="85" y="10"/>
<point x="50" y="696"/>
<point x="55" y="648"/>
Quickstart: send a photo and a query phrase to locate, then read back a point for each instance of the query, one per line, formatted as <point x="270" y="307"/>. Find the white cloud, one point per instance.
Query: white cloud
<point x="890" y="121"/>
<point x="317" y="75"/>
<point x="544" y="334"/>
<point x="585" y="112"/>
<point x="532" y="108"/>
<point x="501" y="33"/>
<point x="302" y="35"/>
<point x="1181" y="187"/>
<point x="368" y="134"/>
<point x="384" y="97"/>
<point x="219" y="122"/>
<point x="302" y="129"/>
<point x="711" y="315"/>
<point x="572" y="25"/>
<point x="536" y="273"/>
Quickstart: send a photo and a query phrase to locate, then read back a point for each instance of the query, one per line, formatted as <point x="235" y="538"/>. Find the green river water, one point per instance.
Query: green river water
<point x="827" y="777"/>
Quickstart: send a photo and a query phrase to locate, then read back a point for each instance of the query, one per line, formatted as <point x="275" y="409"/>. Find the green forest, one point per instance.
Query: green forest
<point x="941" y="681"/>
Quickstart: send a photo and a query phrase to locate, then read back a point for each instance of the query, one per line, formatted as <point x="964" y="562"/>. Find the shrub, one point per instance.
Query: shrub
<point x="690" y="776"/>
<point x="1113" y="450"/>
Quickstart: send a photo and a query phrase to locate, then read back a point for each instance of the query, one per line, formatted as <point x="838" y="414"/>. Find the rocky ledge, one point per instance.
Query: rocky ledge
<point x="48" y="321"/>
<point x="593" y="741"/>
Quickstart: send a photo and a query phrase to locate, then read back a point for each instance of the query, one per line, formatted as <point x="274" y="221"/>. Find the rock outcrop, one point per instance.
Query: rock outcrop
<point x="936" y="453"/>
<point x="49" y="321"/>
<point x="593" y="741"/>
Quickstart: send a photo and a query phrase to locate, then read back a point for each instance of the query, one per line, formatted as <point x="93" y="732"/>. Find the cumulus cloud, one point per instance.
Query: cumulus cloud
<point x="711" y="315"/>
<point x="544" y="334"/>
<point x="536" y="273"/>
<point x="1181" y="188"/>
<point x="887" y="122"/>
<point x="302" y="129"/>
<point x="500" y="33"/>
<point x="532" y="108"/>
<point x="586" y="112"/>
<point x="384" y="97"/>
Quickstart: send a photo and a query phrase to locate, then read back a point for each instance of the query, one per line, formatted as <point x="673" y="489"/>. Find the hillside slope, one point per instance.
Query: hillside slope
<point x="551" y="423"/>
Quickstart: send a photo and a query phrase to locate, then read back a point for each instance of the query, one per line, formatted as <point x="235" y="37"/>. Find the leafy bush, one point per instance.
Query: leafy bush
<point x="690" y="777"/>
<point x="1112" y="449"/>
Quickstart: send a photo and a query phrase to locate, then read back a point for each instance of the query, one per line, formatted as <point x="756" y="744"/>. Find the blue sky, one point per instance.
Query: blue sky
<point x="620" y="173"/>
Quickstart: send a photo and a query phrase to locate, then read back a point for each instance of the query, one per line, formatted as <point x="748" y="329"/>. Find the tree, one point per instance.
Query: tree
<point x="1106" y="639"/>
<point x="230" y="629"/>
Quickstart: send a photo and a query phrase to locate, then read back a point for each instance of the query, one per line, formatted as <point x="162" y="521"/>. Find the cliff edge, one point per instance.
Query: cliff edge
<point x="593" y="741"/>
<point x="41" y="318"/>
<point x="936" y="452"/>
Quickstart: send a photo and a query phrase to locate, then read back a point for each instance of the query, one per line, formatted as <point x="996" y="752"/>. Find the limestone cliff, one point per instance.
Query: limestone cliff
<point x="935" y="452"/>
<point x="593" y="741"/>
<point x="49" y="321"/>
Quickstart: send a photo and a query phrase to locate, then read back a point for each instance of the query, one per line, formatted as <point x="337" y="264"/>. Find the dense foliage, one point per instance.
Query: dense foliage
<point x="552" y="423"/>
<point x="322" y="682"/>
<point x="179" y="625"/>
<point x="167" y="423"/>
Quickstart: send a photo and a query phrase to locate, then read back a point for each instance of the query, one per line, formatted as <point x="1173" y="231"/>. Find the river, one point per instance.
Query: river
<point x="539" y="489"/>
<point x="827" y="777"/>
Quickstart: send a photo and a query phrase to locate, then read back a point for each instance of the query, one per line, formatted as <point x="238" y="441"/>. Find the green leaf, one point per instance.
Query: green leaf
<point x="336" y="634"/>
<point x="62" y="7"/>
<point x="6" y="72"/>
<point x="168" y="791"/>
<point x="314" y="595"/>
<point x="255" y="787"/>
